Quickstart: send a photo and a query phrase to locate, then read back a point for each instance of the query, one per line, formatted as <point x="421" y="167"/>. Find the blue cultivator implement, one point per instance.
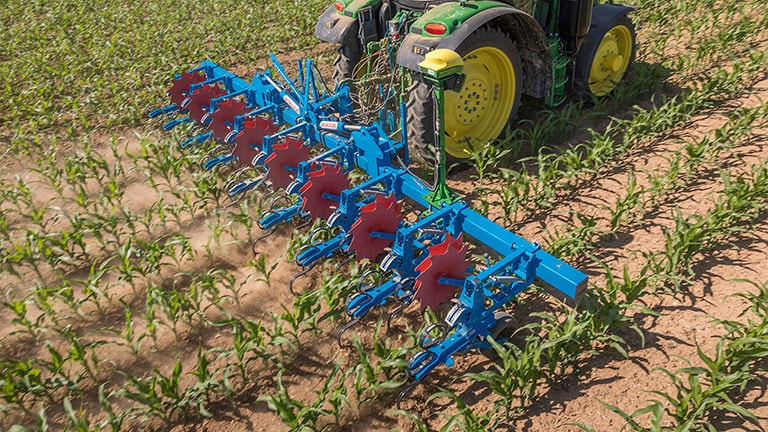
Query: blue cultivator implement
<point x="304" y="140"/>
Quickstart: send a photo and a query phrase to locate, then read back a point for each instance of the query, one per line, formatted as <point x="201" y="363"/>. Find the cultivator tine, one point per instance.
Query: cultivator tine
<point x="348" y="325"/>
<point x="303" y="271"/>
<point x="404" y="294"/>
<point x="344" y="262"/>
<point x="354" y="307"/>
<point x="407" y="389"/>
<point x="260" y="238"/>
<point x="369" y="279"/>
<point x="392" y="315"/>
<point x="307" y="222"/>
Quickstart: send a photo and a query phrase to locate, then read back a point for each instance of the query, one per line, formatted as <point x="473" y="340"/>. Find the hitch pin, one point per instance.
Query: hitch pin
<point x="373" y="191"/>
<point x="505" y="279"/>
<point x="431" y="231"/>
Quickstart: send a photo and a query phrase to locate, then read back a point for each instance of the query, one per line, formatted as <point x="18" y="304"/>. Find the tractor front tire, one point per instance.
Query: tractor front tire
<point x="605" y="55"/>
<point x="481" y="111"/>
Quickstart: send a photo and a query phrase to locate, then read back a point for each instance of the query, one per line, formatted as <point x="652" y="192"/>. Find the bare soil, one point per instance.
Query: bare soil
<point x="670" y="339"/>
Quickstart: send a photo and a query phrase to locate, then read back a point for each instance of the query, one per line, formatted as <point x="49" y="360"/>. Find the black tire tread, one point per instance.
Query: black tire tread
<point x="583" y="60"/>
<point x="344" y="64"/>
<point x="420" y="110"/>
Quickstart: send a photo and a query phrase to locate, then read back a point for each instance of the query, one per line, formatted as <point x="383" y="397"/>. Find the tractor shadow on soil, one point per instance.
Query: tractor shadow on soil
<point x="541" y="130"/>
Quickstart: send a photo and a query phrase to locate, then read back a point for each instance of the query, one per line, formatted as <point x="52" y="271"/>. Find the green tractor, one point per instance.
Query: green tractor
<point x="543" y="48"/>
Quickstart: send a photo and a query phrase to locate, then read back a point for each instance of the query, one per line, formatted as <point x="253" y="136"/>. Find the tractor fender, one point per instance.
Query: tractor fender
<point x="522" y="28"/>
<point x="344" y="27"/>
<point x="605" y="14"/>
<point x="337" y="28"/>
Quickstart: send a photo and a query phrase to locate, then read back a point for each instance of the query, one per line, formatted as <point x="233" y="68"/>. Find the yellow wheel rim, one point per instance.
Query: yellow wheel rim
<point x="611" y="60"/>
<point x="480" y="111"/>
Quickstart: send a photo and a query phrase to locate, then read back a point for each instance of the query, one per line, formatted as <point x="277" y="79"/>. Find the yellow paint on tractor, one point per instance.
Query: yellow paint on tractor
<point x="481" y="109"/>
<point x="611" y="60"/>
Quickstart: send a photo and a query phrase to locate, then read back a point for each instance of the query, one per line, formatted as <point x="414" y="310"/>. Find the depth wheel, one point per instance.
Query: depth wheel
<point x="505" y="327"/>
<point x="481" y="111"/>
<point x="605" y="56"/>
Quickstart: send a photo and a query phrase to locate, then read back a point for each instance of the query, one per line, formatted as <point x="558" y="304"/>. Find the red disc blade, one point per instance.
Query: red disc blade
<point x="381" y="215"/>
<point x="180" y="86"/>
<point x="284" y="160"/>
<point x="328" y="180"/>
<point x="250" y="138"/>
<point x="200" y="100"/>
<point x="447" y="259"/>
<point x="222" y="119"/>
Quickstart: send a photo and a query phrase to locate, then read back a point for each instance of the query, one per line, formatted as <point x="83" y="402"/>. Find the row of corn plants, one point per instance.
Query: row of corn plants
<point x="71" y="260"/>
<point x="561" y="341"/>
<point x="151" y="255"/>
<point x="718" y="385"/>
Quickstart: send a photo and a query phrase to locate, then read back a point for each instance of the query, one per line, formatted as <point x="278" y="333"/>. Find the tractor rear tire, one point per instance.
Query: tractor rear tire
<point x="419" y="111"/>
<point x="345" y="63"/>
<point x="605" y="56"/>
<point x="481" y="111"/>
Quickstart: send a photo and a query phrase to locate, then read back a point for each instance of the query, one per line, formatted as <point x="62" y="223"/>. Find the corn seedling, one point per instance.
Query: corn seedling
<point x="517" y="374"/>
<point x="465" y="419"/>
<point x="331" y="398"/>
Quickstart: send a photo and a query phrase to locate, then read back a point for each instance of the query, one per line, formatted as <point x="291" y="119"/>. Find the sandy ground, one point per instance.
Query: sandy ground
<point x="684" y="320"/>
